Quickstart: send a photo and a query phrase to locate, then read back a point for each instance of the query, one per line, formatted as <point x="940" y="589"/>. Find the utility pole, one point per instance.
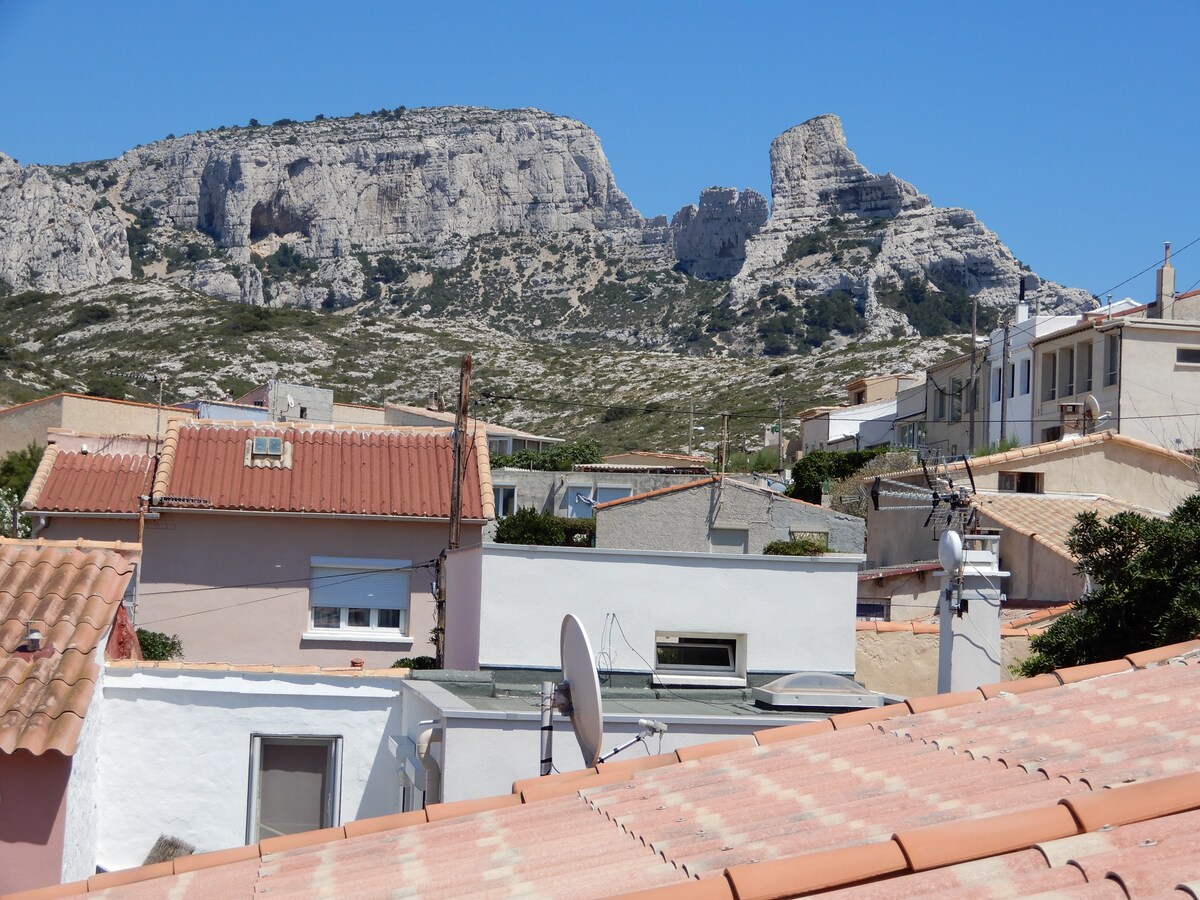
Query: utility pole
<point x="724" y="440"/>
<point x="460" y="446"/>
<point x="779" y="412"/>
<point x="691" y="425"/>
<point x="971" y="379"/>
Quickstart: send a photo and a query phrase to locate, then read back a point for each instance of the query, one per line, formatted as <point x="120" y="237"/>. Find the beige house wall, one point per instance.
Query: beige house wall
<point x="685" y="520"/>
<point x="1160" y="398"/>
<point x="353" y="414"/>
<point x="1046" y="412"/>
<point x="235" y="587"/>
<point x="901" y="662"/>
<point x="1139" y="476"/>
<point x="913" y="595"/>
<point x="20" y="425"/>
<point x="943" y="432"/>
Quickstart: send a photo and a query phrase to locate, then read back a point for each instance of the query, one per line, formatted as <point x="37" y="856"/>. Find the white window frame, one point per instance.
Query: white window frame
<point x="496" y="491"/>
<point x="718" y="676"/>
<point x="332" y="802"/>
<point x="343" y="632"/>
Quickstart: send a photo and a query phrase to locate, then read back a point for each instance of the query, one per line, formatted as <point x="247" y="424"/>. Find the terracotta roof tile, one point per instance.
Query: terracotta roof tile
<point x="70" y="592"/>
<point x="1047" y="519"/>
<point x="963" y="789"/>
<point x="659" y="492"/>
<point x="89" y="482"/>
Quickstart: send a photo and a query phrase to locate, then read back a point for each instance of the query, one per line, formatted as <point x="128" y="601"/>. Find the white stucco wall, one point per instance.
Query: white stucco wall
<point x="796" y="613"/>
<point x="82" y="826"/>
<point x="175" y="750"/>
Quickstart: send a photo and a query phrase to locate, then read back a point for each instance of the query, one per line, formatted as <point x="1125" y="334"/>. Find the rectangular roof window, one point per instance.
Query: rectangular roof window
<point x="268" y="446"/>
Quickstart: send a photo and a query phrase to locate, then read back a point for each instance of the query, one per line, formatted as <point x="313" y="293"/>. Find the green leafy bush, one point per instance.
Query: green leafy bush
<point x="528" y="526"/>
<point x="112" y="387"/>
<point x="287" y="263"/>
<point x="935" y="312"/>
<point x="92" y="314"/>
<point x="795" y="547"/>
<point x="158" y="646"/>
<point x="415" y="662"/>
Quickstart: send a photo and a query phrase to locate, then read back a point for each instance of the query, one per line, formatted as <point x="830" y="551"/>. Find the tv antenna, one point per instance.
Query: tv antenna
<point x="950" y="505"/>
<point x="577" y="696"/>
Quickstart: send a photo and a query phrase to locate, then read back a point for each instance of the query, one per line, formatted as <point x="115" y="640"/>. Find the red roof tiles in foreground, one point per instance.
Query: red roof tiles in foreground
<point x="70" y="592"/>
<point x="1087" y="787"/>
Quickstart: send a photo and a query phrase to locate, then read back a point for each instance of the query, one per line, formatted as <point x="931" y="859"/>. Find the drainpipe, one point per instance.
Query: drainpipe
<point x="433" y="772"/>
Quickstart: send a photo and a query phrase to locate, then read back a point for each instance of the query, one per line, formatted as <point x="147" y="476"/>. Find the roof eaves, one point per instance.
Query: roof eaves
<point x="40" y="476"/>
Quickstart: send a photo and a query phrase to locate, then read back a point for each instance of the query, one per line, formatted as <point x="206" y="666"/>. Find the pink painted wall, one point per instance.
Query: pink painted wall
<point x="262" y="622"/>
<point x="33" y="792"/>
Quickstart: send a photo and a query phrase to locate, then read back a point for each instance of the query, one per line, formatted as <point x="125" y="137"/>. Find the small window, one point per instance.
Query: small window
<point x="1021" y="482"/>
<point x="1189" y="356"/>
<point x="1026" y="366"/>
<point x="505" y="497"/>
<point x="956" y="399"/>
<point x="268" y="446"/>
<point x="304" y="412"/>
<point x="1049" y="376"/>
<point x="1052" y="434"/>
<point x="729" y="540"/>
<point x="1112" y="359"/>
<point x="294" y="785"/>
<point x="817" y="537"/>
<point x="1084" y="356"/>
<point x="997" y="385"/>
<point x="872" y="611"/>
<point x="1066" y="372"/>
<point x="860" y="397"/>
<point x="682" y="653"/>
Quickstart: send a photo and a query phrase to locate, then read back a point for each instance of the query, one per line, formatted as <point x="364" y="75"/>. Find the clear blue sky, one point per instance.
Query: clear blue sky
<point x="1072" y="129"/>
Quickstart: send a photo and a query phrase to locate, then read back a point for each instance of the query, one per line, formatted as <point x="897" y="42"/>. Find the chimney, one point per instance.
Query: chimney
<point x="358" y="662"/>
<point x="1164" y="287"/>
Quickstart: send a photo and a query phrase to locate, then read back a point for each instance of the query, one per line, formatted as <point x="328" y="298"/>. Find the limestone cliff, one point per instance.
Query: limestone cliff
<point x="836" y="226"/>
<point x="709" y="240"/>
<point x="54" y="235"/>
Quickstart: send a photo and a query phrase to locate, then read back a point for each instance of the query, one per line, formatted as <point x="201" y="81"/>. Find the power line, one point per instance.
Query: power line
<point x="1153" y="265"/>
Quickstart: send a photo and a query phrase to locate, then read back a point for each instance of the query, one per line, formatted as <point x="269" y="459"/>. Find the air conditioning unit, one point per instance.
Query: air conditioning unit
<point x="1071" y="417"/>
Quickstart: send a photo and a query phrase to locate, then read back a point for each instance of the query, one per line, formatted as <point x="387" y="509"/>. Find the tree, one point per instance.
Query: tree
<point x="1144" y="589"/>
<point x="16" y="472"/>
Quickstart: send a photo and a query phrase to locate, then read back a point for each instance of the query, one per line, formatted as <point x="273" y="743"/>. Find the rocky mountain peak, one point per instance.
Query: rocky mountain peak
<point x="815" y="175"/>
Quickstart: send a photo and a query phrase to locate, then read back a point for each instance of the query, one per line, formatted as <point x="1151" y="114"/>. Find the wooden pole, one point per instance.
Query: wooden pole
<point x="460" y="448"/>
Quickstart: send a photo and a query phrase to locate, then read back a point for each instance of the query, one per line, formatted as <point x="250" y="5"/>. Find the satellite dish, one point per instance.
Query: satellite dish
<point x="950" y="551"/>
<point x="1091" y="408"/>
<point x="581" y="680"/>
<point x="290" y="401"/>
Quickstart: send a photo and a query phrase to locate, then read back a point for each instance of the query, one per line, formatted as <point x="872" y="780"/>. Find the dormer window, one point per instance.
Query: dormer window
<point x="268" y="446"/>
<point x="267" y="452"/>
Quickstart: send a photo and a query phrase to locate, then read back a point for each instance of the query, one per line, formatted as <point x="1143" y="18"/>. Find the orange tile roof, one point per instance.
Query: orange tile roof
<point x="68" y="480"/>
<point x="948" y="792"/>
<point x="70" y="592"/>
<point x="1046" y="518"/>
<point x="341" y="470"/>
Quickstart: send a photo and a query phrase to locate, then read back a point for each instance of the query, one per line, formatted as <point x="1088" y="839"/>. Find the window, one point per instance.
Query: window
<point x="304" y="412"/>
<point x="956" y="399"/>
<point x="1052" y="434"/>
<point x="729" y="540"/>
<point x="294" y="785"/>
<point x="1021" y="482"/>
<point x="1083" y="359"/>
<point x="1187" y="355"/>
<point x="872" y="611"/>
<point x="1049" y="370"/>
<point x="1026" y="366"/>
<point x="268" y="446"/>
<point x="1066" y="372"/>
<point x="817" y="537"/>
<point x="1112" y="354"/>
<point x="506" y="500"/>
<point x="353" y="599"/>
<point x="939" y="405"/>
<point x="694" y="653"/>
<point x="860" y="397"/>
<point x="582" y="497"/>
<point x="499" y="446"/>
<point x="997" y="385"/>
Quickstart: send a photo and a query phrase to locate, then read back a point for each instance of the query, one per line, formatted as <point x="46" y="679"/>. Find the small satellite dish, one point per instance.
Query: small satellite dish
<point x="950" y="551"/>
<point x="290" y="402"/>
<point x="581" y="679"/>
<point x="1091" y="408"/>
